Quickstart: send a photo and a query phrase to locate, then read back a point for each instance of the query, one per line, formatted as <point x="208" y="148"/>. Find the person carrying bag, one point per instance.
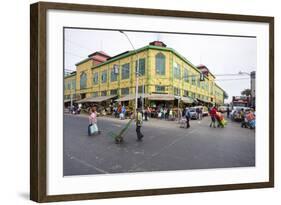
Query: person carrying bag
<point x="93" y="128"/>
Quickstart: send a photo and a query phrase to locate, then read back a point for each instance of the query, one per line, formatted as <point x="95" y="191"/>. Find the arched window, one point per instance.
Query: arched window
<point x="83" y="80"/>
<point x="160" y="63"/>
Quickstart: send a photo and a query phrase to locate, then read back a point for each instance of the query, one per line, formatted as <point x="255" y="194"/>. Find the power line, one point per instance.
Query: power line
<point x="77" y="44"/>
<point x="230" y="79"/>
<point x="73" y="54"/>
<point x="229" y="74"/>
<point x="226" y="74"/>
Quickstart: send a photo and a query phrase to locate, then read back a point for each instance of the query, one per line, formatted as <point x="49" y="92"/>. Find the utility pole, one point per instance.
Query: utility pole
<point x="71" y="100"/>
<point x="137" y="76"/>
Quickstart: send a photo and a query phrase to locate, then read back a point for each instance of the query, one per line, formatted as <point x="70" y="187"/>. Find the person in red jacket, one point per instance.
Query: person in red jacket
<point x="213" y="112"/>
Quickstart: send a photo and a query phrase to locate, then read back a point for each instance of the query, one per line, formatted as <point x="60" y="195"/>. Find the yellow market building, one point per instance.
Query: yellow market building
<point x="165" y="75"/>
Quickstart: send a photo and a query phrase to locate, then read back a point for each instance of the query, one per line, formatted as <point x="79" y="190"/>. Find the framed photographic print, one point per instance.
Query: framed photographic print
<point x="134" y="102"/>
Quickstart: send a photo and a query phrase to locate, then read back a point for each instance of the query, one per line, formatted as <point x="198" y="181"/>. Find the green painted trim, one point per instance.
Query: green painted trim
<point x="70" y="75"/>
<point x="154" y="48"/>
<point x="121" y="56"/>
<point x="83" y="61"/>
<point x="176" y="53"/>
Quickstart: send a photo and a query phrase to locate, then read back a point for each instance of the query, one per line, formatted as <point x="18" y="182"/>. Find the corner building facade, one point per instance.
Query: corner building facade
<point x="162" y="70"/>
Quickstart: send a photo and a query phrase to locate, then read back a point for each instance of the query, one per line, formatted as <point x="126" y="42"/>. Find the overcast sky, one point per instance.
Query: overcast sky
<point x="222" y="55"/>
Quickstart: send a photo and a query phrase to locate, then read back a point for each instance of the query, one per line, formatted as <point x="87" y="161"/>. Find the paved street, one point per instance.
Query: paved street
<point x="165" y="147"/>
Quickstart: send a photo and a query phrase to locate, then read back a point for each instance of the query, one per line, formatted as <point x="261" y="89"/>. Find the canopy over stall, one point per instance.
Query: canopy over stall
<point x="203" y="101"/>
<point x="188" y="100"/>
<point x="96" y="99"/>
<point x="131" y="97"/>
<point x="161" y="97"/>
<point x="67" y="100"/>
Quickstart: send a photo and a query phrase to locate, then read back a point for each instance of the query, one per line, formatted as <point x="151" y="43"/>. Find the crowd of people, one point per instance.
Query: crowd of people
<point x="248" y="119"/>
<point x="120" y="111"/>
<point x="160" y="112"/>
<point x="216" y="117"/>
<point x="75" y="109"/>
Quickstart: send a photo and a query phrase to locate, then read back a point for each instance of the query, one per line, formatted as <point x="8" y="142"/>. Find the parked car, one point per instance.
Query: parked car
<point x="222" y="109"/>
<point x="193" y="113"/>
<point x="205" y="110"/>
<point x="235" y="113"/>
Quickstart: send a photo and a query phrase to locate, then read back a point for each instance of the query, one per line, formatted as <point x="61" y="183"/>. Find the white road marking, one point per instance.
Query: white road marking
<point x="89" y="165"/>
<point x="136" y="166"/>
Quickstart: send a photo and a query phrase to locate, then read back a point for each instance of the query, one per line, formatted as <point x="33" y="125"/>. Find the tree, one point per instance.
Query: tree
<point x="225" y="95"/>
<point x="246" y="92"/>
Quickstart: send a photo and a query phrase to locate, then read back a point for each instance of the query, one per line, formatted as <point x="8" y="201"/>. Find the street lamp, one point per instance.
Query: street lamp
<point x="142" y="99"/>
<point x="137" y="76"/>
<point x="243" y="73"/>
<point x="71" y="100"/>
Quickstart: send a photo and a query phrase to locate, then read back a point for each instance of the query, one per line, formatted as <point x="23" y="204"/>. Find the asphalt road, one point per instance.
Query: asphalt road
<point x="165" y="147"/>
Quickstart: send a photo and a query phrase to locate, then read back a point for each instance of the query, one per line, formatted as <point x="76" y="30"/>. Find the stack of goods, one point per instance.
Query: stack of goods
<point x="221" y="121"/>
<point x="250" y="118"/>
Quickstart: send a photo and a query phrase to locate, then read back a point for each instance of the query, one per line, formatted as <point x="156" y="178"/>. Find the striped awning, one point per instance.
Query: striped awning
<point x="96" y="99"/>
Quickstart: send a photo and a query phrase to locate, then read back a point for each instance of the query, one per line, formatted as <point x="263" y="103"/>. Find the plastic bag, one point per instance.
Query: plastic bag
<point x="92" y="129"/>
